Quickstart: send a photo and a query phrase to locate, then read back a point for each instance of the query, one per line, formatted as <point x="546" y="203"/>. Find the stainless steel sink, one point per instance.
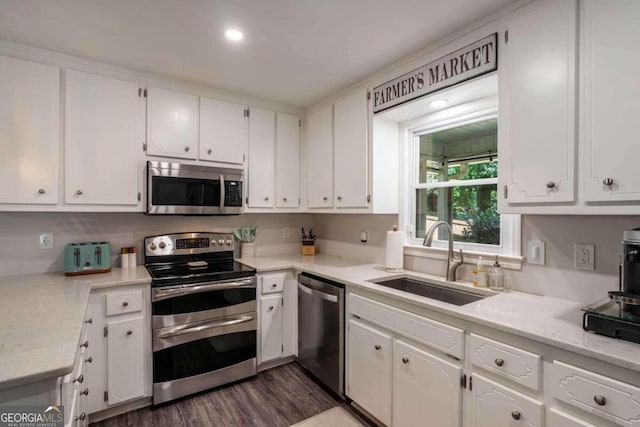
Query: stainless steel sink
<point x="427" y="289"/>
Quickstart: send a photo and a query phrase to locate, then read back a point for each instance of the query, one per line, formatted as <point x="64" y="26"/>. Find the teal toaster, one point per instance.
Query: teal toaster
<point x="87" y="258"/>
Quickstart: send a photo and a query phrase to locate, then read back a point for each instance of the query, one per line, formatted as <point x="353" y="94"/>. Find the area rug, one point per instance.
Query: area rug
<point x="334" y="417"/>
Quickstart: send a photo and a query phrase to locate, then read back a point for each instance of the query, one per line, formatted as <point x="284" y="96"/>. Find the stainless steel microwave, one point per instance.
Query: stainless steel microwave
<point x="177" y="189"/>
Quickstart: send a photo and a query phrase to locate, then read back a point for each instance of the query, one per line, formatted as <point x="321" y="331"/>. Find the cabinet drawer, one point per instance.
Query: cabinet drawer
<point x="123" y="302"/>
<point x="560" y="419"/>
<point x="271" y="283"/>
<point x="507" y="361"/>
<point x="611" y="399"/>
<point x="435" y="334"/>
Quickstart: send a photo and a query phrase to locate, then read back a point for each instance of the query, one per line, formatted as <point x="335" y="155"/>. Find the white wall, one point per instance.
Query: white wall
<point x="19" y="232"/>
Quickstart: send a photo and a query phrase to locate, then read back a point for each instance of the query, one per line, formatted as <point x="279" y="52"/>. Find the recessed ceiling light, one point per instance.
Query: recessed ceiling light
<point x="234" y="35"/>
<point x="438" y="103"/>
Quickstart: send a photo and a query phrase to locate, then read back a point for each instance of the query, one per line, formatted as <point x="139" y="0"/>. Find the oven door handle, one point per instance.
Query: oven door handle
<point x="160" y="294"/>
<point x="222" y="193"/>
<point x="211" y="325"/>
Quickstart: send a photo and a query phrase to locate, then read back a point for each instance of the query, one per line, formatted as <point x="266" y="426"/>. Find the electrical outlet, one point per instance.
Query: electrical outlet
<point x="46" y="240"/>
<point x="585" y="257"/>
<point x="535" y="252"/>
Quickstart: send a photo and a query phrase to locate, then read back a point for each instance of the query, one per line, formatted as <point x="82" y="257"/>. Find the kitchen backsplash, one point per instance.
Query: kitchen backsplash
<point x="19" y="233"/>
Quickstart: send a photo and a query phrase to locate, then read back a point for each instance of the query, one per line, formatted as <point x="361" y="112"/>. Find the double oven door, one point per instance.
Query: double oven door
<point x="204" y="335"/>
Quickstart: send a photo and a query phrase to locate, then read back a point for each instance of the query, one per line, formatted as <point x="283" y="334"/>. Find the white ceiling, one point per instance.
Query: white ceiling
<point x="295" y="51"/>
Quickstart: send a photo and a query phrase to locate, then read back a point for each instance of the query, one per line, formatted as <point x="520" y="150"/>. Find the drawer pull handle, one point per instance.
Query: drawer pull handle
<point x="41" y="191"/>
<point x="325" y="198"/>
<point x="125" y="303"/>
<point x="600" y="400"/>
<point x="89" y="360"/>
<point x="551" y="185"/>
<point x="85" y="392"/>
<point x="405" y="360"/>
<point x="284" y="199"/>
<point x="209" y="151"/>
<point x="516" y="415"/>
<point x="85" y="344"/>
<point x="499" y="362"/>
<point x="129" y="332"/>
<point x="270" y="307"/>
<point x="79" y="380"/>
<point x="81" y="417"/>
<point x="186" y="149"/>
<point x="608" y="182"/>
<point x="377" y="346"/>
<point x="79" y="192"/>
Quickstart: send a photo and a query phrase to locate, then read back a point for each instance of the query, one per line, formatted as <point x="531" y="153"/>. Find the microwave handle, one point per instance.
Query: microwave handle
<point x="222" y="195"/>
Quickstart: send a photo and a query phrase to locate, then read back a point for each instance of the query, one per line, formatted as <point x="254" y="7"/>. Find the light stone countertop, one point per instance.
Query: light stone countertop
<point x="41" y="318"/>
<point x="551" y="321"/>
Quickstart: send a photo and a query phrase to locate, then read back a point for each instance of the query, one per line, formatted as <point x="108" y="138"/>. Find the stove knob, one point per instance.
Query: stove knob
<point x="221" y="242"/>
<point x="213" y="242"/>
<point x="152" y="246"/>
<point x="162" y="245"/>
<point x="228" y="242"/>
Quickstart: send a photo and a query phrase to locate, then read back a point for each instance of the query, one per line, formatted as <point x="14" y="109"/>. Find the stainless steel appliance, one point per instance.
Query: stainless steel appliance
<point x="321" y="330"/>
<point x="177" y="189"/>
<point x="204" y="313"/>
<point x="618" y="315"/>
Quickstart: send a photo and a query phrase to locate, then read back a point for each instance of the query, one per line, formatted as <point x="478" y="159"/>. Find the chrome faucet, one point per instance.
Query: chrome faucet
<point x="452" y="262"/>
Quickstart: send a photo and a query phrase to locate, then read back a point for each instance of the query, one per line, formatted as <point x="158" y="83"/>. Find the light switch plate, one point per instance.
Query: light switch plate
<point x="585" y="257"/>
<point x="535" y="252"/>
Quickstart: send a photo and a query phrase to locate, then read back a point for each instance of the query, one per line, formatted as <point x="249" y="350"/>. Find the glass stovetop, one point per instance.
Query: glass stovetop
<point x="172" y="273"/>
<point x="609" y="308"/>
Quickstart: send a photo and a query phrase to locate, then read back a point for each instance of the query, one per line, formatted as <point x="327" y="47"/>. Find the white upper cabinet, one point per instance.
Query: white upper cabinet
<point x="350" y="129"/>
<point x="101" y="150"/>
<point x="29" y="131"/>
<point x="537" y="117"/>
<point x="320" y="158"/>
<point x="287" y="161"/>
<point x="223" y="132"/>
<point x="172" y="124"/>
<point x="611" y="100"/>
<point x="262" y="128"/>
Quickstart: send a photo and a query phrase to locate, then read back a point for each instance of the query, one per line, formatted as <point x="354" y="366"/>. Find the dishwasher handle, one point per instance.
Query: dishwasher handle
<point x="324" y="296"/>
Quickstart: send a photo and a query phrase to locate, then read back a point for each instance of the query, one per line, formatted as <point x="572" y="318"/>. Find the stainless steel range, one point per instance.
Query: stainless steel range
<point x="204" y="313"/>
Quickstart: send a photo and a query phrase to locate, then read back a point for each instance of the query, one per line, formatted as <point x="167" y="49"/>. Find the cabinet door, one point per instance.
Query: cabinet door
<point x="494" y="405"/>
<point x="369" y="370"/>
<point x="350" y="151"/>
<point x="537" y="138"/>
<point x="270" y="327"/>
<point x="29" y="131"/>
<point x="611" y="102"/>
<point x="101" y="150"/>
<point x="223" y="132"/>
<point x="287" y="161"/>
<point x="320" y="158"/>
<point x="560" y="419"/>
<point x="261" y="157"/>
<point x="125" y="360"/>
<point x="172" y="124"/>
<point x="425" y="387"/>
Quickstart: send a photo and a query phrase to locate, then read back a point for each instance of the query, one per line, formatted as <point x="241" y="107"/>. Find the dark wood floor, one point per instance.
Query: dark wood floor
<point x="278" y="397"/>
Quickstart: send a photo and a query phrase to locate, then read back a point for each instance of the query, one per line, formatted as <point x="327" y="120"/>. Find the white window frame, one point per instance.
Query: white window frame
<point x="510" y="224"/>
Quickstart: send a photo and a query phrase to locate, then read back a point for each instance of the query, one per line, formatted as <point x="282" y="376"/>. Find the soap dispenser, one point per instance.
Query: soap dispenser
<point x="496" y="276"/>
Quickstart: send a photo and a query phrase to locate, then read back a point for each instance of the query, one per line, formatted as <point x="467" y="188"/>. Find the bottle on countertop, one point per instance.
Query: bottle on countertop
<point x="496" y="277"/>
<point x="124" y="258"/>
<point x="481" y="275"/>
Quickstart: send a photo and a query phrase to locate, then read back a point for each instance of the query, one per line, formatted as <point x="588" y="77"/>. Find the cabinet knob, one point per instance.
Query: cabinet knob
<point x="89" y="360"/>
<point x="551" y="185"/>
<point x="81" y="417"/>
<point x="79" y="192"/>
<point x="516" y="415"/>
<point x="275" y="285"/>
<point x="405" y="360"/>
<point x="85" y="392"/>
<point x="186" y="148"/>
<point x="600" y="400"/>
<point x="377" y="346"/>
<point x="270" y="307"/>
<point x="85" y="344"/>
<point x="325" y="198"/>
<point x="89" y="321"/>
<point x="125" y="303"/>
<point x="608" y="182"/>
<point x="339" y="198"/>
<point x="129" y="332"/>
<point x="41" y="191"/>
<point x="284" y="199"/>
<point x="79" y="380"/>
<point x="499" y="362"/>
<point x="209" y="151"/>
<point x="266" y="199"/>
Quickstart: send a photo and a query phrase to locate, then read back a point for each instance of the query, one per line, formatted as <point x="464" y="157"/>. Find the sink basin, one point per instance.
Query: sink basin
<point x="430" y="290"/>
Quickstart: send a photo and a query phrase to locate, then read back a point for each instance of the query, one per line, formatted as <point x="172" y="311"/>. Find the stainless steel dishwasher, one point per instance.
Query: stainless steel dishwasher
<point x="321" y="330"/>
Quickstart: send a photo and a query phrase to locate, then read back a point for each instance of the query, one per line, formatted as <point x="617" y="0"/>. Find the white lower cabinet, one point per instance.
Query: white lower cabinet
<point x="560" y="419"/>
<point x="271" y="327"/>
<point x="119" y="369"/>
<point x="425" y="387"/>
<point x="277" y="316"/>
<point x="494" y="405"/>
<point x="369" y="379"/>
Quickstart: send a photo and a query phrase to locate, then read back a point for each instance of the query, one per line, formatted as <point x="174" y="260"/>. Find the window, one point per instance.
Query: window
<point x="454" y="178"/>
